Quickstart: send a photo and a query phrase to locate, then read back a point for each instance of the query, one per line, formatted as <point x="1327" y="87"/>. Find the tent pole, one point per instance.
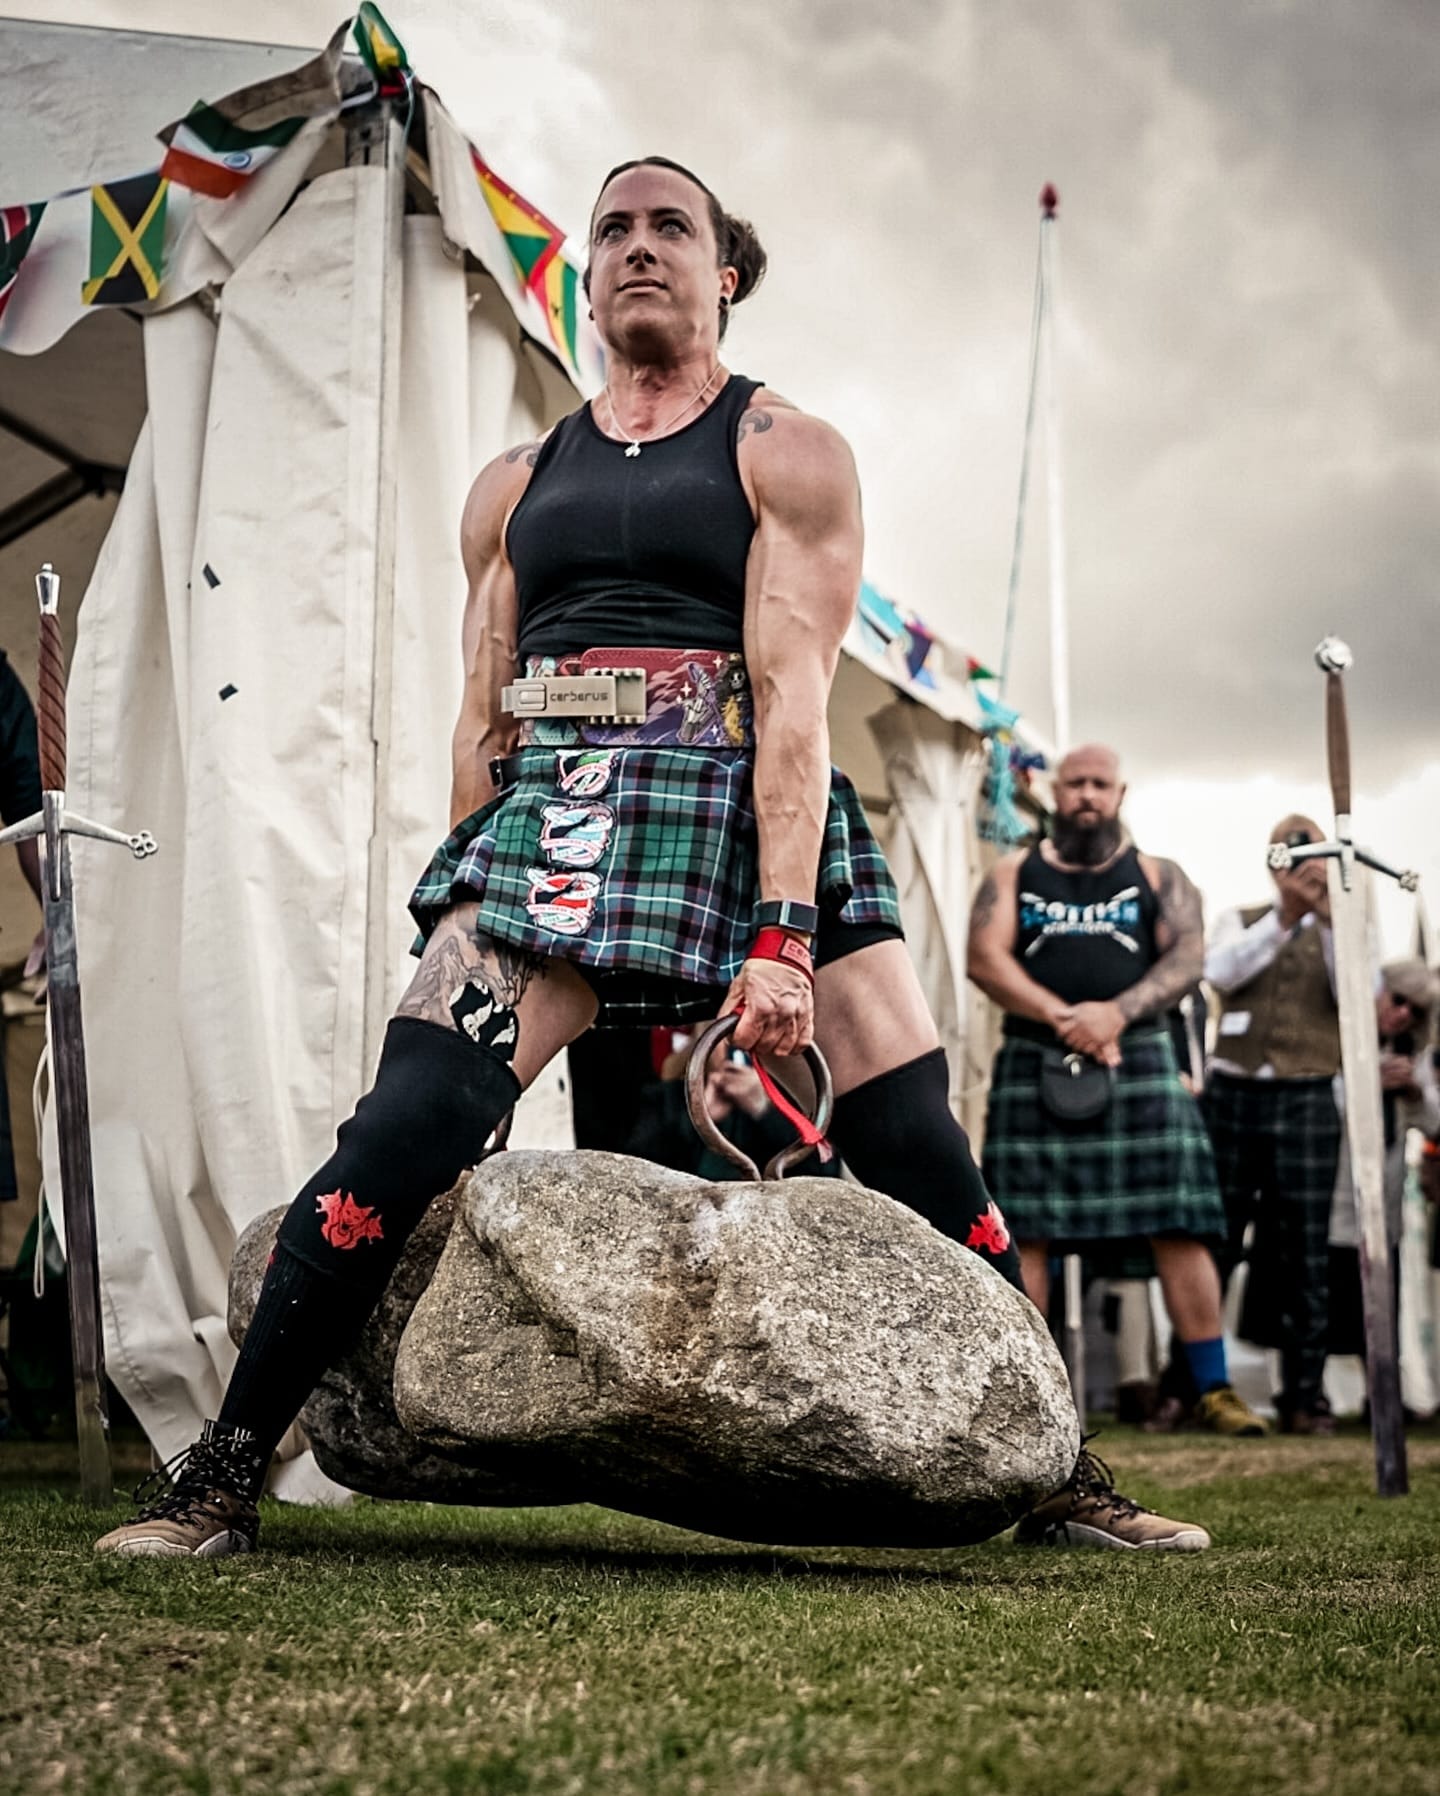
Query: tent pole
<point x="375" y="135"/>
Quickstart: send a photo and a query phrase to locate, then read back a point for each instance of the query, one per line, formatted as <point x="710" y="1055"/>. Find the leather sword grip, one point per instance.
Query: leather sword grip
<point x="52" y="705"/>
<point x="1337" y="742"/>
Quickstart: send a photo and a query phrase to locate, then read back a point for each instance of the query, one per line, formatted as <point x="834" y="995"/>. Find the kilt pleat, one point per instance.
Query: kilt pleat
<point x="642" y="863"/>
<point x="1143" y="1168"/>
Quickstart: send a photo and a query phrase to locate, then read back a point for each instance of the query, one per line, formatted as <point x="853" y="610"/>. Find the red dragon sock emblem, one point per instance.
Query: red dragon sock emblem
<point x="989" y="1231"/>
<point x="347" y="1223"/>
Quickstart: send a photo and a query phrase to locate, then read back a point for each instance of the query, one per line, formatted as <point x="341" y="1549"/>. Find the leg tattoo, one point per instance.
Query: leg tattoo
<point x="469" y="981"/>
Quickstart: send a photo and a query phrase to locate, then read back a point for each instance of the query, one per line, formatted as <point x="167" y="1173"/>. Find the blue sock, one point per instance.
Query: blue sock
<point x="1206" y="1360"/>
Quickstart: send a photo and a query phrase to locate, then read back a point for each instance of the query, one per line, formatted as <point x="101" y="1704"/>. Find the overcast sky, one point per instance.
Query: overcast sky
<point x="1250" y="361"/>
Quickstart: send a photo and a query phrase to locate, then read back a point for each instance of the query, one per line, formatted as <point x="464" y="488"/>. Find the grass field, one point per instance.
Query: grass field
<point x="395" y="1648"/>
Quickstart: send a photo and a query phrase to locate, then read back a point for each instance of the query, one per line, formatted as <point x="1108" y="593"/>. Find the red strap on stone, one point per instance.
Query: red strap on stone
<point x="789" y="950"/>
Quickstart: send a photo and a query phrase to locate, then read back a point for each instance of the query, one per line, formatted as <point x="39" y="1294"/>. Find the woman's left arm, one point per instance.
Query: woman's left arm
<point x="802" y="585"/>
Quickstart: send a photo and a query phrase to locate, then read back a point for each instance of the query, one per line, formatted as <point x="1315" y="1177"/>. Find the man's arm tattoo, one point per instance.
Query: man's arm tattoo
<point x="983" y="907"/>
<point x="1179" y="968"/>
<point x="754" y="420"/>
<point x="531" y="452"/>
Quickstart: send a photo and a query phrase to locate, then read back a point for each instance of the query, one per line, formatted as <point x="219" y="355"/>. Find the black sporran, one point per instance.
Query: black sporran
<point x="1074" y="1088"/>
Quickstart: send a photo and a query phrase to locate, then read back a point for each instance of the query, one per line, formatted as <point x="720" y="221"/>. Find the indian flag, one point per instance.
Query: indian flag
<point x="210" y="154"/>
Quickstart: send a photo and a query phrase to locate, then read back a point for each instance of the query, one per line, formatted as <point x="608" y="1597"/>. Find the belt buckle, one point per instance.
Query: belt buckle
<point x="630" y="695"/>
<point x="526" y="698"/>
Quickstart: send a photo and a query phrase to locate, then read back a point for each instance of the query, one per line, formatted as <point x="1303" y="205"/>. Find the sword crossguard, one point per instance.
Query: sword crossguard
<point x="1280" y="857"/>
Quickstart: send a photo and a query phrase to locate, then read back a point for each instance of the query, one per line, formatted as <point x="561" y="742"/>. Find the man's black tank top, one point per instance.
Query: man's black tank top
<point x="1085" y="935"/>
<point x="635" y="551"/>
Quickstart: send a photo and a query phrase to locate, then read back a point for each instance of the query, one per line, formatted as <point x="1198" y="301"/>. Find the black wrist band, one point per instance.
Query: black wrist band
<point x="787" y="913"/>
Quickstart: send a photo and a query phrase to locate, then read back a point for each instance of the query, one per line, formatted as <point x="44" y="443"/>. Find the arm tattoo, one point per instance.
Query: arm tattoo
<point x="531" y="452"/>
<point x="983" y="907"/>
<point x="1179" y="968"/>
<point x="755" y="420"/>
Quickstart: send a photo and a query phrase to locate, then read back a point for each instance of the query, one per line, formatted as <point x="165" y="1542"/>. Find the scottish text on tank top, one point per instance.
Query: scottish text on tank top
<point x="635" y="552"/>
<point x="1089" y="934"/>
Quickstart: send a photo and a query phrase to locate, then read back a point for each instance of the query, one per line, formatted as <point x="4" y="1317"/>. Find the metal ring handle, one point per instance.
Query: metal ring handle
<point x="705" y="1125"/>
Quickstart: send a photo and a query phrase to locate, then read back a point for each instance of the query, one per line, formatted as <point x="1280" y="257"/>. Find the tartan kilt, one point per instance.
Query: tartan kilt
<point x="641" y="866"/>
<point x="1142" y="1168"/>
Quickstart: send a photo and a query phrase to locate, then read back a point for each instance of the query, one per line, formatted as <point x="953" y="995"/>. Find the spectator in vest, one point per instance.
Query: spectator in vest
<point x="1270" y="1106"/>
<point x="1090" y="1137"/>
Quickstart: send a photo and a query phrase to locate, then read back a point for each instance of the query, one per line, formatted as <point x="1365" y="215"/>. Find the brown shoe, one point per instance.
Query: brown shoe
<point x="1170" y="1415"/>
<point x="1225" y="1411"/>
<point x="205" y="1511"/>
<point x="1089" y="1512"/>
<point x="1319" y="1419"/>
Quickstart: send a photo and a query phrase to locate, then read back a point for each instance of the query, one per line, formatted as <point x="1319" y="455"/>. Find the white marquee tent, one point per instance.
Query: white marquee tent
<point x="266" y="669"/>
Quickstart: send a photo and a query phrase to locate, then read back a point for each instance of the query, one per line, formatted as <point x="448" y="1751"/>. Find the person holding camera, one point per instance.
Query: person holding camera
<point x="1270" y="1107"/>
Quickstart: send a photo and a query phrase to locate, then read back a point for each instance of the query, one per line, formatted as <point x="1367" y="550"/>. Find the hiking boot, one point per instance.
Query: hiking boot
<point x="204" y="1510"/>
<point x="1225" y="1411"/>
<point x="1088" y="1511"/>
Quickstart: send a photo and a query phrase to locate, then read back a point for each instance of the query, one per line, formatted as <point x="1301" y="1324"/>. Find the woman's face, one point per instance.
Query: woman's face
<point x="655" y="282"/>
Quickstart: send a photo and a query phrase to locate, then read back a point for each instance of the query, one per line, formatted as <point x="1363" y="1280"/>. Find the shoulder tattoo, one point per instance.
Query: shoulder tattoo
<point x="754" y="420"/>
<point x="1179" y="898"/>
<point x="983" y="907"/>
<point x="530" y="451"/>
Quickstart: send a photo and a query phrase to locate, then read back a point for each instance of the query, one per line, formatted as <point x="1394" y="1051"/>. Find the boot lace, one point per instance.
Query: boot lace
<point x="177" y="1491"/>
<point x="1093" y="1481"/>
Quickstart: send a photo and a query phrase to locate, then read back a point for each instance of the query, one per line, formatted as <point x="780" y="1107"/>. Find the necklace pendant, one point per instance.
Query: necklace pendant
<point x="632" y="452"/>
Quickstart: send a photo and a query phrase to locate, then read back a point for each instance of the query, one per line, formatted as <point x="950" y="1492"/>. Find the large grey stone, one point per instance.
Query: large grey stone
<point x="357" y="1438"/>
<point x="807" y="1362"/>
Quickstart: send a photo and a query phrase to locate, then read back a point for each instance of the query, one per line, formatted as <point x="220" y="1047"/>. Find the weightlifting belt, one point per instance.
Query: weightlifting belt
<point x="619" y="697"/>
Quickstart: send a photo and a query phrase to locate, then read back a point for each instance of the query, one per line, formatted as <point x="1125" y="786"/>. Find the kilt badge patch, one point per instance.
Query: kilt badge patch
<point x="575" y="835"/>
<point x="562" y="901"/>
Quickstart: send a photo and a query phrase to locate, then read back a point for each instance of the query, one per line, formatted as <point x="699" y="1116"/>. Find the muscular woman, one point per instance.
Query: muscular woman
<point x="662" y="846"/>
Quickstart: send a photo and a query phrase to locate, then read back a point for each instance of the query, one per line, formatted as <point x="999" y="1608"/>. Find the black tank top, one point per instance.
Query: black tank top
<point x="635" y="551"/>
<point x="1085" y="935"/>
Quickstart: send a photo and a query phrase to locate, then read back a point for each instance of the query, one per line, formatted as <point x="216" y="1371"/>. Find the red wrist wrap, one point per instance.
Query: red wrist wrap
<point x="789" y="950"/>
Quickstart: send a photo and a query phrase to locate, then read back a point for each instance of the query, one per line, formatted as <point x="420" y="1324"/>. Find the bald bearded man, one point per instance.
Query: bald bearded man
<point x="1090" y="1136"/>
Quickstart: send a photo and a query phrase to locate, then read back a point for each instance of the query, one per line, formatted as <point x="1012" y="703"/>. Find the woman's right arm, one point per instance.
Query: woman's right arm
<point x="488" y="634"/>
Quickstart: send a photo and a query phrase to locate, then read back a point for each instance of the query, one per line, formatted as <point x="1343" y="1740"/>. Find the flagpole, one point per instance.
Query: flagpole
<point x="1073" y="1333"/>
<point x="1059" y="609"/>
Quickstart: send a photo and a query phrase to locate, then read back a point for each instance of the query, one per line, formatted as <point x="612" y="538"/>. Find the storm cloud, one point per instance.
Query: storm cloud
<point x="1250" y="278"/>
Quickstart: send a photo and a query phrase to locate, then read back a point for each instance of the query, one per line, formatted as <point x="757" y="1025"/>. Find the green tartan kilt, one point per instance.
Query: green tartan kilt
<point x="1143" y="1168"/>
<point x="641" y="866"/>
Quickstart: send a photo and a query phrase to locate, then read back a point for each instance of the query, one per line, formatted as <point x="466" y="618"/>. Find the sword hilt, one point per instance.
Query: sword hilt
<point x="1333" y="657"/>
<point x="51" y="682"/>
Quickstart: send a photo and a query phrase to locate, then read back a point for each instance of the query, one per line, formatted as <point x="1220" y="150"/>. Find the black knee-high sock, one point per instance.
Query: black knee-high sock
<point x="303" y="1323"/>
<point x="436" y="1099"/>
<point x="897" y="1135"/>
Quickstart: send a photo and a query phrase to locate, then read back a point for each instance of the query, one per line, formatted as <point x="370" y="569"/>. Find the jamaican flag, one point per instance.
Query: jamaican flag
<point x="127" y="241"/>
<point x="17" y="232"/>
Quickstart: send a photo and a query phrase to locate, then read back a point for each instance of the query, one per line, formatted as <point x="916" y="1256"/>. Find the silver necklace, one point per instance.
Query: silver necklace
<point x="632" y="443"/>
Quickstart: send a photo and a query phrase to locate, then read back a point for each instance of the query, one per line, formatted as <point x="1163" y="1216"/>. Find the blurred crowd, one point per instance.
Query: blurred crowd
<point x="1213" y="1154"/>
